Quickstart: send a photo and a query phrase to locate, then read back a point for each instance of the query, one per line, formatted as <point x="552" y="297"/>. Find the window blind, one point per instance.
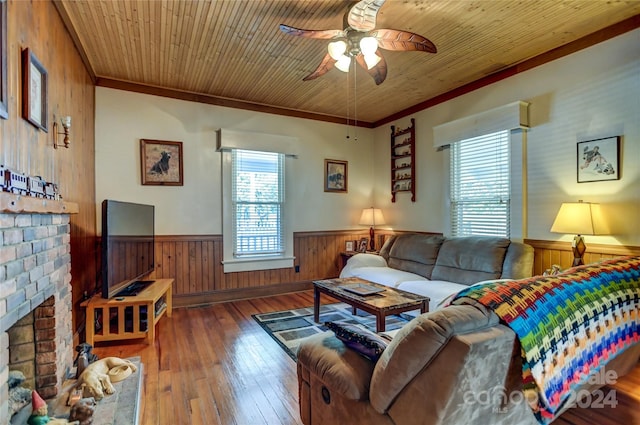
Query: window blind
<point x="257" y="185"/>
<point x="480" y="186"/>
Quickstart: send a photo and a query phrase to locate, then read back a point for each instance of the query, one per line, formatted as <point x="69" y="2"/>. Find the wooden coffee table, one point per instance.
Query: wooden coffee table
<point x="381" y="304"/>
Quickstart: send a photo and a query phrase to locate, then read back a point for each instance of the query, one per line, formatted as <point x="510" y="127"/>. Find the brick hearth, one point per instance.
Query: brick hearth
<point x="36" y="333"/>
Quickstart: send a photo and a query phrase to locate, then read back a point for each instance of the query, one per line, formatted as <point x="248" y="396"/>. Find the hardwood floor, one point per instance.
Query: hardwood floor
<point x="215" y="365"/>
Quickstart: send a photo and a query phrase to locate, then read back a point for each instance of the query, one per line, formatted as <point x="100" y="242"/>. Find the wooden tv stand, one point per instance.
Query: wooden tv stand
<point x="124" y="317"/>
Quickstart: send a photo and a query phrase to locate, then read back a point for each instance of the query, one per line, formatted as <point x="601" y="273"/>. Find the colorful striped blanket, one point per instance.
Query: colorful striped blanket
<point x="569" y="325"/>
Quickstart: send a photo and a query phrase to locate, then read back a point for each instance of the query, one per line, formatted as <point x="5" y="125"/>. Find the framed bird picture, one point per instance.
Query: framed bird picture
<point x="161" y="162"/>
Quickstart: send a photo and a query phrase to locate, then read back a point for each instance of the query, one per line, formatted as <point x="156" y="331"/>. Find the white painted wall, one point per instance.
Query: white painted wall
<point x="587" y="95"/>
<point x="123" y="118"/>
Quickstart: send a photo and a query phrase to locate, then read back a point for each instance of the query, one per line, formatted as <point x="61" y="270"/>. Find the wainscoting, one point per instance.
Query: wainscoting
<point x="195" y="262"/>
<point x="548" y="253"/>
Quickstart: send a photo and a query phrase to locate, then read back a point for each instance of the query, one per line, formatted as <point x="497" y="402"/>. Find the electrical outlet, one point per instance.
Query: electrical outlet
<point x="297" y="268"/>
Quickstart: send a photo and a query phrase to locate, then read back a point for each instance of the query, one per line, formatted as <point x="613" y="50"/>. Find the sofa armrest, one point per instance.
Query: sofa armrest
<point x="341" y="369"/>
<point x="362" y="260"/>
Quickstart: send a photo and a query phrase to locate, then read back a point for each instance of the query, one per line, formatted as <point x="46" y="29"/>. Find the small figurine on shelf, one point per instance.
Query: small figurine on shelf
<point x="40" y="409"/>
<point x="554" y="270"/>
<point x="39" y="414"/>
<point x="82" y="411"/>
<point x="84" y="357"/>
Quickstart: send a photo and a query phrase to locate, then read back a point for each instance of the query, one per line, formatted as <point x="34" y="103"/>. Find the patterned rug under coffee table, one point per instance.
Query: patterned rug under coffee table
<point x="289" y="327"/>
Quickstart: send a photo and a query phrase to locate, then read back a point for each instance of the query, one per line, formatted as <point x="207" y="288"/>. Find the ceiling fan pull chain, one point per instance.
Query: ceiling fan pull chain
<point x="355" y="102"/>
<point x="348" y="106"/>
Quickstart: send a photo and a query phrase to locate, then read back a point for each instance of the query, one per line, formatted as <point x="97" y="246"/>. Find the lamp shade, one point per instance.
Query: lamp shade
<point x="371" y="217"/>
<point x="581" y="218"/>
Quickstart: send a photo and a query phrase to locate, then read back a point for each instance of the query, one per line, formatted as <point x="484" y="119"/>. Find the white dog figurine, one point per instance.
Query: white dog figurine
<point x="94" y="380"/>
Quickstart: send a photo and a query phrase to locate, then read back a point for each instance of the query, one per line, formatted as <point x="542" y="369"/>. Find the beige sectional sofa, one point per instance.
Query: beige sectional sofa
<point x="462" y="365"/>
<point x="454" y="366"/>
<point x="435" y="266"/>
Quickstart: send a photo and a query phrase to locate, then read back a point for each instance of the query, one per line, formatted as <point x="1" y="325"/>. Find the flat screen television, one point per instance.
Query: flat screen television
<point x="127" y="246"/>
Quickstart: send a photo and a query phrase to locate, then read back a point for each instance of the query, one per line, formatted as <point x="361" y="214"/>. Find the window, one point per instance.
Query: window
<point x="257" y="192"/>
<point x="480" y="186"/>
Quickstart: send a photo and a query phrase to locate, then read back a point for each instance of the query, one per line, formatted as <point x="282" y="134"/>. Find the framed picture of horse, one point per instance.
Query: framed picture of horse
<point x="161" y="162"/>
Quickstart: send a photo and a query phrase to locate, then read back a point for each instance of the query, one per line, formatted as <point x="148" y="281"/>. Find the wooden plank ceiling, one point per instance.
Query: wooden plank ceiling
<point x="233" y="49"/>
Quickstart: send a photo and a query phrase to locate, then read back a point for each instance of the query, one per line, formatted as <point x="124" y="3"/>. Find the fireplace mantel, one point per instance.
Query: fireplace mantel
<point x="17" y="204"/>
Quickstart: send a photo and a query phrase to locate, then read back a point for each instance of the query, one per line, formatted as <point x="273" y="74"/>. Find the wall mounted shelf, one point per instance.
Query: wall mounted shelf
<point x="403" y="169"/>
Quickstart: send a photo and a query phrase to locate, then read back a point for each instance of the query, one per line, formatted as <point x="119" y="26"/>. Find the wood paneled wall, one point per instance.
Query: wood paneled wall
<point x="36" y="25"/>
<point x="128" y="256"/>
<point x="548" y="253"/>
<point x="195" y="262"/>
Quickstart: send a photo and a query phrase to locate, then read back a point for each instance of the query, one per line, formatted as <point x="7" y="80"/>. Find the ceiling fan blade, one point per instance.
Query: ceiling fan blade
<point x="378" y="72"/>
<point x="402" y="40"/>
<point x="362" y="16"/>
<point x="322" y="69"/>
<point x="318" y="34"/>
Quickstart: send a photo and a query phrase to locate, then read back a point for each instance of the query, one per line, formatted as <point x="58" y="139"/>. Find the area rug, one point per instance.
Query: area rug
<point x="289" y="327"/>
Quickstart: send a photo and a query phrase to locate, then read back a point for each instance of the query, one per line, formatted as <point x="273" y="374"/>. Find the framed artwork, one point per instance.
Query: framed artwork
<point x="4" y="109"/>
<point x="348" y="246"/>
<point x="599" y="160"/>
<point x="34" y="90"/>
<point x="161" y="162"/>
<point x="363" y="244"/>
<point x="335" y="176"/>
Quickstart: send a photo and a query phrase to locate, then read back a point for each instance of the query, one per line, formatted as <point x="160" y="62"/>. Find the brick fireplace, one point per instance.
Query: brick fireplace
<point x="36" y="335"/>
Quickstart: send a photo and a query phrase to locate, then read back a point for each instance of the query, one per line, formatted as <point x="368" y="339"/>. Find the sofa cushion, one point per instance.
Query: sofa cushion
<point x="470" y="259"/>
<point x="386" y="246"/>
<point x="518" y="263"/>
<point x="363" y="341"/>
<point x="415" y="253"/>
<point x="436" y="290"/>
<point x="383" y="275"/>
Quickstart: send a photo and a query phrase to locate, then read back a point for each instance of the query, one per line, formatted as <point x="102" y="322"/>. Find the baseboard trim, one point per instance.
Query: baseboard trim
<point x="239" y="294"/>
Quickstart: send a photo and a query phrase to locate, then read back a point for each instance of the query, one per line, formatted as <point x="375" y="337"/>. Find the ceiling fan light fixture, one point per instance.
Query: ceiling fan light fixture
<point x="343" y="63"/>
<point x="371" y="60"/>
<point x="368" y="46"/>
<point x="360" y="39"/>
<point x="337" y="48"/>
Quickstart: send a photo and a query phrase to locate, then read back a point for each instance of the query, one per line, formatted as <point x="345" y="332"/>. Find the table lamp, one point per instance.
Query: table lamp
<point x="581" y="218"/>
<point x="371" y="217"/>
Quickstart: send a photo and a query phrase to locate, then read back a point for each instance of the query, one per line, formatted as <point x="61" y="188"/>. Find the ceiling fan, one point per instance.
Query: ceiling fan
<point x="361" y="40"/>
